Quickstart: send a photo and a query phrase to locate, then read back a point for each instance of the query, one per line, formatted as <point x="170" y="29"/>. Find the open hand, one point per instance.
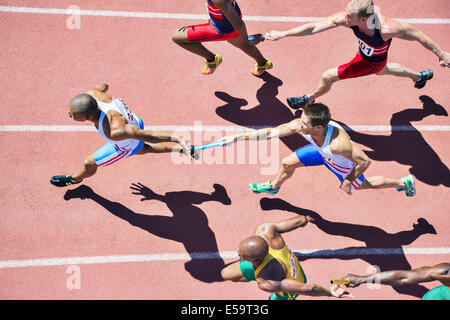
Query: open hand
<point x="274" y="35"/>
<point x="339" y="292"/>
<point x="444" y="61"/>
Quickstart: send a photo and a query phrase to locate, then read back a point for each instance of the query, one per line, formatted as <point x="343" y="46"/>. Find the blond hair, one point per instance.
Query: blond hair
<point x="364" y="8"/>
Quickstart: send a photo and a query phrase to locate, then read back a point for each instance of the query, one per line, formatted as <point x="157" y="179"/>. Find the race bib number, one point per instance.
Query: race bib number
<point x="293" y="271"/>
<point x="127" y="111"/>
<point x="365" y="48"/>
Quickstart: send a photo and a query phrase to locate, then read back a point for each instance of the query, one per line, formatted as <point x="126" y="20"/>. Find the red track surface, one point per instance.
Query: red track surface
<point x="45" y="64"/>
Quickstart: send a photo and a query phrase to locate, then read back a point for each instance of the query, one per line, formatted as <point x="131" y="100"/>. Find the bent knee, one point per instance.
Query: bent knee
<point x="89" y="163"/>
<point x="330" y="75"/>
<point x="227" y="274"/>
<point x="180" y="35"/>
<point x="287" y="164"/>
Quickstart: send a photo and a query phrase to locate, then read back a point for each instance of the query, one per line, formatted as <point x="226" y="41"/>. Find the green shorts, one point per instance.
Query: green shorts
<point x="438" y="293"/>
<point x="249" y="274"/>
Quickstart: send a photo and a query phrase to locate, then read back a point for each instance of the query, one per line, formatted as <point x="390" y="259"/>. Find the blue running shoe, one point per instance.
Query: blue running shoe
<point x="424" y="76"/>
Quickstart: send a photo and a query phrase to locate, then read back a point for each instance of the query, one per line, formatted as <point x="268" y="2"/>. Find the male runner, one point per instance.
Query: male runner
<point x="375" y="33"/>
<point x="225" y="23"/>
<point x="266" y="259"/>
<point x="330" y="146"/>
<point x="439" y="272"/>
<point x="122" y="129"/>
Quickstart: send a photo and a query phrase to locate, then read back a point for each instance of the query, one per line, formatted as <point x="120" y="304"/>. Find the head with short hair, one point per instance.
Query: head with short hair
<point x="317" y="114"/>
<point x="358" y="11"/>
<point x="253" y="249"/>
<point x="82" y="107"/>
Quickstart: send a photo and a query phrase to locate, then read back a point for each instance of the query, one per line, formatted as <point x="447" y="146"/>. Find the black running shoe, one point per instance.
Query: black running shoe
<point x="62" y="181"/>
<point x="424" y="76"/>
<point x="194" y="154"/>
<point x="297" y="102"/>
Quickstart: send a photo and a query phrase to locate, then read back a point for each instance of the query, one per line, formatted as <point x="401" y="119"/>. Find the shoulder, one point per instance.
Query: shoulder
<point x="339" y="19"/>
<point x="339" y="141"/>
<point x="100" y="95"/>
<point x="391" y="28"/>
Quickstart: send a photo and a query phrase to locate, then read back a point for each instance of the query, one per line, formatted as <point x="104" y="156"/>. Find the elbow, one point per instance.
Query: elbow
<point x="367" y="163"/>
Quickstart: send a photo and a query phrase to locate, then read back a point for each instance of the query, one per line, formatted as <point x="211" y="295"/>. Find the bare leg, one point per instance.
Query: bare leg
<point x="288" y="166"/>
<point x="89" y="169"/>
<point x="249" y="49"/>
<point x="180" y="37"/>
<point x="380" y="182"/>
<point x="233" y="273"/>
<point x="395" y="69"/>
<point x="328" y="78"/>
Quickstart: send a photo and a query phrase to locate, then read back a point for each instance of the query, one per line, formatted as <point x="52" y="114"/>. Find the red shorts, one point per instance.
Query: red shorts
<point x="360" y="67"/>
<point x="206" y="32"/>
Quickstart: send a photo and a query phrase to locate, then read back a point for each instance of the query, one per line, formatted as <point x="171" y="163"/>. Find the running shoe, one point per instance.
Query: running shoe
<point x="210" y="67"/>
<point x="63" y="181"/>
<point x="424" y="76"/>
<point x="410" y="188"/>
<point x="258" y="70"/>
<point x="263" y="187"/>
<point x="298" y="102"/>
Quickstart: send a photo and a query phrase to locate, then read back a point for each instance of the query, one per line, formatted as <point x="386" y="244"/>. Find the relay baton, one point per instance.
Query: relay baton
<point x="210" y="145"/>
<point x="340" y="281"/>
<point x="254" y="37"/>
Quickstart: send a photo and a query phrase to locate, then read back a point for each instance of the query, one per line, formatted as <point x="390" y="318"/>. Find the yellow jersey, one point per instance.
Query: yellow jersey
<point x="294" y="270"/>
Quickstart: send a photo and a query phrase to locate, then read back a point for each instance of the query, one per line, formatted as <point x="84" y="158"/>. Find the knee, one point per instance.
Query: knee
<point x="286" y="165"/>
<point x="226" y="274"/>
<point x="90" y="164"/>
<point x="330" y="76"/>
<point x="178" y="36"/>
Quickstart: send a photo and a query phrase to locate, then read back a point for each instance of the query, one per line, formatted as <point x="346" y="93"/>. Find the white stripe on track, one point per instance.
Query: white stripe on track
<point x="329" y="253"/>
<point x="158" y="15"/>
<point x="178" y="128"/>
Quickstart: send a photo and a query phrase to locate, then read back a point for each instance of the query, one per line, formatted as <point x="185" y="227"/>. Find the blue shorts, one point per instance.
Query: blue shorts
<point x="309" y="156"/>
<point x="111" y="153"/>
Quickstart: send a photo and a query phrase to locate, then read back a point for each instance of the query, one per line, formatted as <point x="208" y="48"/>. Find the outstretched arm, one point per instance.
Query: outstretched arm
<point x="266" y="133"/>
<point x="272" y="231"/>
<point x="119" y="129"/>
<point x="406" y="31"/>
<point x="310" y="289"/>
<point x="310" y="28"/>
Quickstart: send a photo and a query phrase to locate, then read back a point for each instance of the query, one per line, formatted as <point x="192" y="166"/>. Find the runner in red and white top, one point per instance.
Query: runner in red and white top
<point x="375" y="33"/>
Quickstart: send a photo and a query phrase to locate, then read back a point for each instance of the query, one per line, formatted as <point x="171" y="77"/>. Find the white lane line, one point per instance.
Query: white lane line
<point x="184" y="16"/>
<point x="329" y="253"/>
<point x="197" y="128"/>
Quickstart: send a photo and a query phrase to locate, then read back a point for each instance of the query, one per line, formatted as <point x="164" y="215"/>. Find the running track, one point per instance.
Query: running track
<point x="174" y="244"/>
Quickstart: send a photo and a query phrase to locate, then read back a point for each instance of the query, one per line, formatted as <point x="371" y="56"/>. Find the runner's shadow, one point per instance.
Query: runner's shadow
<point x="408" y="146"/>
<point x="373" y="237"/>
<point x="188" y="225"/>
<point x="270" y="112"/>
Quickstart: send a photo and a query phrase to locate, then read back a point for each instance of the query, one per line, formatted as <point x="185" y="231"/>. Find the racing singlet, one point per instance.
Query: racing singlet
<point x="119" y="106"/>
<point x="218" y="20"/>
<point x="294" y="270"/>
<point x="373" y="48"/>
<point x="338" y="164"/>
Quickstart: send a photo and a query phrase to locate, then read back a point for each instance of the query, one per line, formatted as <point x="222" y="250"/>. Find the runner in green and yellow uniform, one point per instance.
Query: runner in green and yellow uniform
<point x="266" y="259"/>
